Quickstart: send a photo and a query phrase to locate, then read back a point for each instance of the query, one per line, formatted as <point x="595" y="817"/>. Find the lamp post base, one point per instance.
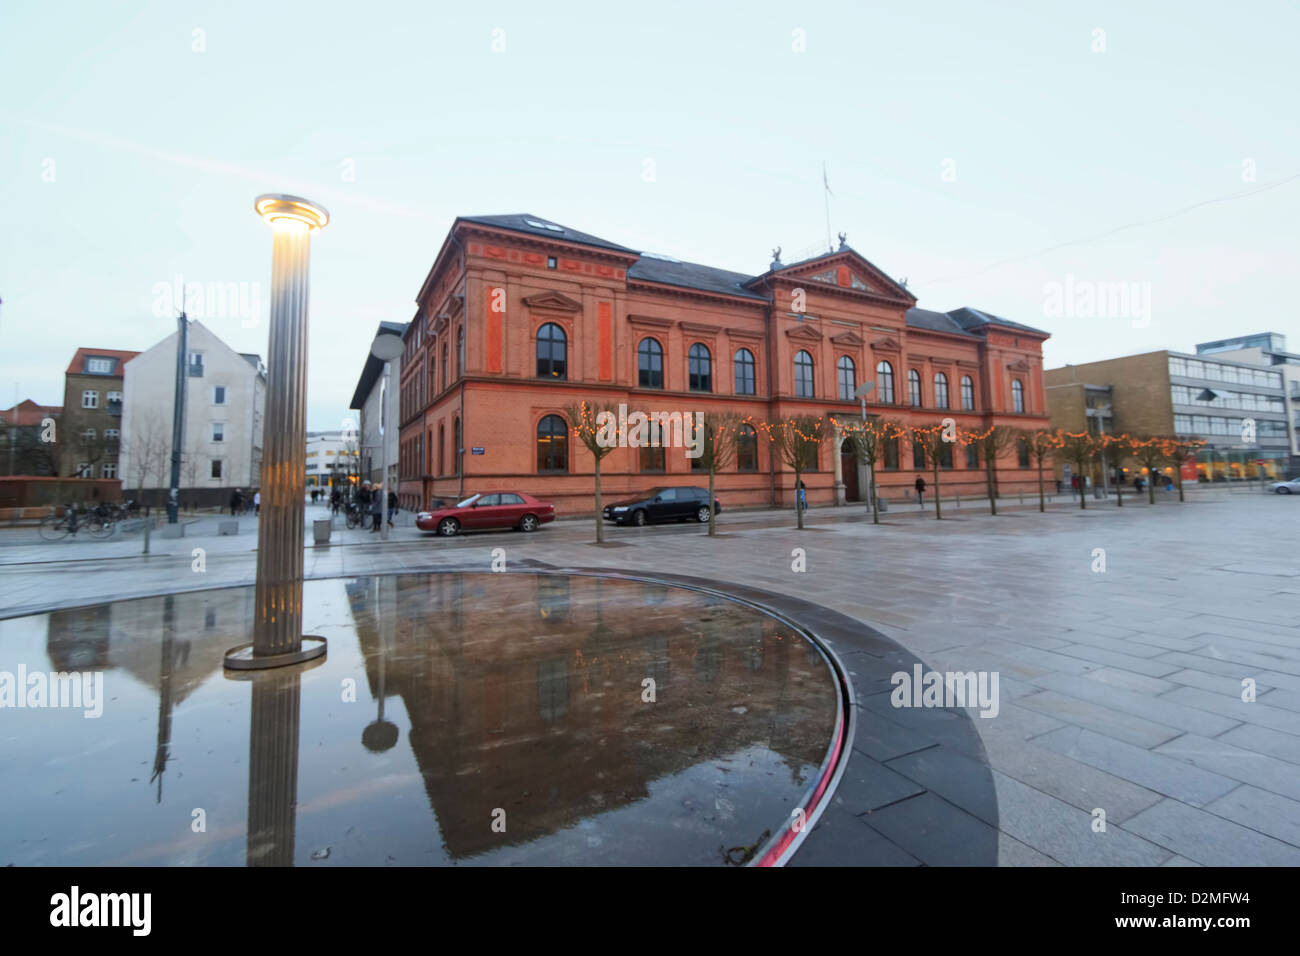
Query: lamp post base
<point x="241" y="657"/>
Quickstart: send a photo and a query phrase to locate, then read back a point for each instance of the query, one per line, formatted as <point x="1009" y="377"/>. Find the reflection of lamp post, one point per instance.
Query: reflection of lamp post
<point x="277" y="620"/>
<point x="381" y="735"/>
<point x="385" y="347"/>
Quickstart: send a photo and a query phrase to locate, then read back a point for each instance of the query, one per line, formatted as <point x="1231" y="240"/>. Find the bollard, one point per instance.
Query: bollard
<point x="148" y="523"/>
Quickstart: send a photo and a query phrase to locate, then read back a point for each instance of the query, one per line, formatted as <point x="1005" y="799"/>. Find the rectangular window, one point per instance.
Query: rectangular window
<point x="88" y="435"/>
<point x="891" y="454"/>
<point x="218" y="431"/>
<point x="99" y="366"/>
<point x="945" y="457"/>
<point x="112" y="434"/>
<point x="918" y="455"/>
<point x="114" y="398"/>
<point x="90" y="399"/>
<point x="1177" y="366"/>
<point x="109" y="469"/>
<point x="972" y="456"/>
<point x="216" y="468"/>
<point x="218" y="395"/>
<point x="652" y="459"/>
<point x="85" y="470"/>
<point x="1022" y="453"/>
<point x="1214" y="371"/>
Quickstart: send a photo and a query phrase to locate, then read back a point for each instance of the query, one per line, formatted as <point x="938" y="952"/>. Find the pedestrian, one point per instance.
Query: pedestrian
<point x="1058" y="486"/>
<point x="919" y="485"/>
<point x="314" y="495"/>
<point x="803" y="496"/>
<point x="236" y="500"/>
<point x="257" y="502"/>
<point x="392" y="507"/>
<point x="335" y="500"/>
<point x="376" y="509"/>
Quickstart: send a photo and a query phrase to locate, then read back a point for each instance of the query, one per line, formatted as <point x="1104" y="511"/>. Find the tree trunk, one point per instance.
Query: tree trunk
<point x="712" y="516"/>
<point x="938" y="508"/>
<point x="1042" y="501"/>
<point x="988" y="479"/>
<point x="798" y="502"/>
<point x="1180" y="482"/>
<point x="1119" y="493"/>
<point x="600" y="512"/>
<point x="1151" y="484"/>
<point x="875" y="503"/>
<point x="1083" y="490"/>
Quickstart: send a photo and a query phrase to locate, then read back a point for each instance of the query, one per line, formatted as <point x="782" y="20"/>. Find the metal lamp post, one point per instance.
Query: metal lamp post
<point x="385" y="347"/>
<point x="277" y="625"/>
<point x="862" y="391"/>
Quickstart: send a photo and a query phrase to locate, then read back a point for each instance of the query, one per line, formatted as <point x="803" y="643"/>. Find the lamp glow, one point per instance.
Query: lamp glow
<point x="279" y="209"/>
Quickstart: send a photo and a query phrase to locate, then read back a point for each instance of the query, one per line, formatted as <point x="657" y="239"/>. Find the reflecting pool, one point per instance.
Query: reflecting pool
<point x="458" y="718"/>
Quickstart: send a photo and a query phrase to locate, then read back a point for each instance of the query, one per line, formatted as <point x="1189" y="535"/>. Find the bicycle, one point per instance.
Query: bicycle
<point x="58" y="527"/>
<point x="355" y="517"/>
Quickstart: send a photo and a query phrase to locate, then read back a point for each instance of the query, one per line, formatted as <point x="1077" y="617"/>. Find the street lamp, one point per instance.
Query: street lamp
<point x="277" y="624"/>
<point x="385" y="347"/>
<point x="861" y="393"/>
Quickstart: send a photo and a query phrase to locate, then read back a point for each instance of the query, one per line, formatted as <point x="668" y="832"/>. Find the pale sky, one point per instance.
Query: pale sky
<point x="957" y="136"/>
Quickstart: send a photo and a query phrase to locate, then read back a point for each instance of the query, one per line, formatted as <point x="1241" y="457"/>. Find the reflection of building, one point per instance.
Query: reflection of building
<point x="520" y="318"/>
<point x="1268" y="349"/>
<point x="1175" y="394"/>
<point x="222" y="441"/>
<point x="24" y="448"/>
<point x="524" y="693"/>
<point x="369" y="399"/>
<point x="330" y="459"/>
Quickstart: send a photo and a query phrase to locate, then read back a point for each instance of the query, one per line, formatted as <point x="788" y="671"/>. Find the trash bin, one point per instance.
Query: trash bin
<point x="320" y="529"/>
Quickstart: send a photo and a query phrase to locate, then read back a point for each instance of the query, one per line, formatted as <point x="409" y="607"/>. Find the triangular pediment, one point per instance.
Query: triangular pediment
<point x="887" y="344"/>
<point x="850" y="339"/>
<point x="1020" y="365"/>
<point x="552" y="302"/>
<point x="848" y="270"/>
<point x="804" y="333"/>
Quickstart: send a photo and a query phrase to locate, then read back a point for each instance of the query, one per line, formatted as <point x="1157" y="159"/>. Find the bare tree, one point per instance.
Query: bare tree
<point x="797" y="440"/>
<point x="933" y="440"/>
<point x="1180" y="451"/>
<point x="992" y="443"/>
<point x="1040" y="442"/>
<point x="591" y="423"/>
<point x="1079" y="449"/>
<point x="1150" y="451"/>
<point x="148" y="450"/>
<point x="869" y="441"/>
<point x="1117" y="448"/>
<point x="717" y="451"/>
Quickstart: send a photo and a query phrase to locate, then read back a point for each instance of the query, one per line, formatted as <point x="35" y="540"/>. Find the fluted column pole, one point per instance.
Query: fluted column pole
<point x="277" y="623"/>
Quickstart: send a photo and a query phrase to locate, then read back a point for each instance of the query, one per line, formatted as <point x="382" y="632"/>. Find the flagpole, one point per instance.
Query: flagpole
<point x="826" y="183"/>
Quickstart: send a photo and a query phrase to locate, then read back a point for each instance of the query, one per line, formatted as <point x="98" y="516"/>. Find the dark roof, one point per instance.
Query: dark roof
<point x="522" y="222"/>
<point x="692" y="276"/>
<point x="934" y="321"/>
<point x="969" y="318"/>
<point x="374" y="367"/>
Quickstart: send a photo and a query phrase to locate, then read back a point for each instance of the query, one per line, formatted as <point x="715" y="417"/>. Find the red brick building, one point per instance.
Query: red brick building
<point x="519" y="318"/>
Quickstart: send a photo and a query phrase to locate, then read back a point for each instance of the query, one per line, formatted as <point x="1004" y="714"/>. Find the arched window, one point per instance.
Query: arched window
<point x="650" y="364"/>
<point x="940" y="390"/>
<point x="1017" y="396"/>
<point x="445" y="383"/>
<point x="700" y="363"/>
<point x="848" y="376"/>
<point x="552" y="350"/>
<point x="803" y="375"/>
<point x="442" y="445"/>
<point x="885" y="382"/>
<point x="746" y="449"/>
<point x="968" y="393"/>
<point x="914" y="387"/>
<point x="744" y="372"/>
<point x="460" y="352"/>
<point x="552" y="445"/>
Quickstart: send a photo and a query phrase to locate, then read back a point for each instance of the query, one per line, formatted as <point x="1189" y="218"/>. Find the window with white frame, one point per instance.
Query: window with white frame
<point x="218" y="431"/>
<point x="216" y="468"/>
<point x="218" y="395"/>
<point x="112" y="434"/>
<point x="90" y="399"/>
<point x="99" y="366"/>
<point x="110" y="469"/>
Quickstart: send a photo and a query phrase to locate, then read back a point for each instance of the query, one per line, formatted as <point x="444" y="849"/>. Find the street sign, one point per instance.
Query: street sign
<point x="476" y="451"/>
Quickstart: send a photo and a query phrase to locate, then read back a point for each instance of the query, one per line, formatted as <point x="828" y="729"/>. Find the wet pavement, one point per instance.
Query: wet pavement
<point x="459" y="718"/>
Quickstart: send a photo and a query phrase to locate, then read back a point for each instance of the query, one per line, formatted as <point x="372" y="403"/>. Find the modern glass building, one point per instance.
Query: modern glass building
<point x="1240" y="411"/>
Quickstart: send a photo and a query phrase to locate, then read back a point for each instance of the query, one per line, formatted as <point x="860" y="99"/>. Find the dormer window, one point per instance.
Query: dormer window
<point x="99" y="366"/>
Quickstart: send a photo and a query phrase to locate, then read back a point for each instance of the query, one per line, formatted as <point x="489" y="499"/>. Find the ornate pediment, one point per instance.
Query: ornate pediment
<point x="849" y="339"/>
<point x="697" y="328"/>
<point x="1019" y="365"/>
<point x="551" y="301"/>
<point x="846" y="269"/>
<point x="887" y="344"/>
<point x="804" y="333"/>
<point x="752" y="334"/>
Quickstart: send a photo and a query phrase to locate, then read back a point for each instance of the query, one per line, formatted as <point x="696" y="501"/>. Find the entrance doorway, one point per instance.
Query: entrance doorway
<point x="849" y="469"/>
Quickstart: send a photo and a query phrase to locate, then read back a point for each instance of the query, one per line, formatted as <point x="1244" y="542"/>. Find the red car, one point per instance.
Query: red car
<point x="497" y="509"/>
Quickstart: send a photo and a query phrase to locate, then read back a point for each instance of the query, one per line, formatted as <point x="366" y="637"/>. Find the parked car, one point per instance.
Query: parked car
<point x="1289" y="487"/>
<point x="497" y="509"/>
<point x="675" y="503"/>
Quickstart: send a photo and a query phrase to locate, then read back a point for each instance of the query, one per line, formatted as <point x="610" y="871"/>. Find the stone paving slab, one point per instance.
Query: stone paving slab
<point x="1210" y="839"/>
<point x="1229" y="760"/>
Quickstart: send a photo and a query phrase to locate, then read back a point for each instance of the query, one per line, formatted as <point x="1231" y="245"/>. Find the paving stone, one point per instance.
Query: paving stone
<point x="1234" y="708"/>
<point x="868" y="785"/>
<point x="1156" y="709"/>
<point x="1037" y="819"/>
<point x="1285" y="699"/>
<point x="1127" y="680"/>
<point x="1103" y="720"/>
<point x="936" y="832"/>
<point x="1208" y="839"/>
<point x="841" y="839"/>
<point x="1011" y="852"/>
<point x="1229" y="760"/>
<point x="959" y="779"/>
<point x="1179" y="861"/>
<point x="1263" y="740"/>
<point x="1269" y="813"/>
<point x="1128" y="646"/>
<point x="1155" y="771"/>
<point x="1048" y="660"/>
<point x="1215" y="683"/>
<point x="1101" y="655"/>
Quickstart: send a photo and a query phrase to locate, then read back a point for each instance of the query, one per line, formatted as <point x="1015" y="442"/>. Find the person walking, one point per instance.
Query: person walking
<point x="919" y="485"/>
<point x="335" y="501"/>
<point x="257" y="502"/>
<point x="803" y="496"/>
<point x="376" y="509"/>
<point x="236" y="500"/>
<point x="392" y="507"/>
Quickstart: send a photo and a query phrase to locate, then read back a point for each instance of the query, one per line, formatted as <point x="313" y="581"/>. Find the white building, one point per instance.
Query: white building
<point x="1268" y="349"/>
<point x="331" y="458"/>
<point x="221" y="448"/>
<point x="368" y="399"/>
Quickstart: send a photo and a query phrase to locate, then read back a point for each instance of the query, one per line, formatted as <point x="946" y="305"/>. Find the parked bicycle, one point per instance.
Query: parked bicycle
<point x="74" y="519"/>
<point x="355" y="516"/>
